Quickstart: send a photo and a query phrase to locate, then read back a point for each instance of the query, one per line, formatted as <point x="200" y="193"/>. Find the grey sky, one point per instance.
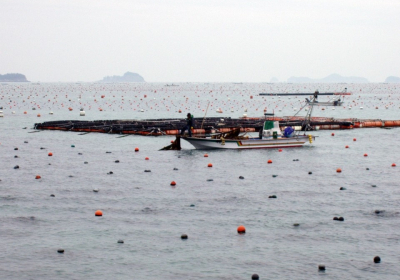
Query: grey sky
<point x="199" y="40"/>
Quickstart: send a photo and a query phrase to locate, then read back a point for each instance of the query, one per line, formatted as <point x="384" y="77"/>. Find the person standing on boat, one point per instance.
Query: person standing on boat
<point x="189" y="125"/>
<point x="316" y="95"/>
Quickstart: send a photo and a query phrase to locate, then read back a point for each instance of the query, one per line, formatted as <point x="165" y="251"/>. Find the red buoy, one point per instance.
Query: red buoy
<point x="136" y="149"/>
<point x="173" y="183"/>
<point x="269" y="161"/>
<point x="98" y="213"/>
<point x="241" y="229"/>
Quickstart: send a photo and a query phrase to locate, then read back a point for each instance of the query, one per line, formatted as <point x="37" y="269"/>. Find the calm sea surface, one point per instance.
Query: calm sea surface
<point x="149" y="215"/>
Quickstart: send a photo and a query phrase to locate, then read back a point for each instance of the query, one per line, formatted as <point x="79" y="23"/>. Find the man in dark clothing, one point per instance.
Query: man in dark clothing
<point x="316" y="95"/>
<point x="189" y="125"/>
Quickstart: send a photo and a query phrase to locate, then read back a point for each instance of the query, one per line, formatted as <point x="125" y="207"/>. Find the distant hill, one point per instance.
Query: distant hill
<point x="128" y="77"/>
<point x="13" y="77"/>
<point x="392" y="79"/>
<point x="333" y="78"/>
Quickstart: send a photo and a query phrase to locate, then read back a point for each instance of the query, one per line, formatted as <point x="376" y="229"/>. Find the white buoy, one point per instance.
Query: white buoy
<point x="51" y="113"/>
<point x="13" y="112"/>
<point x="244" y="115"/>
<point x="82" y="113"/>
<point x="1" y="114"/>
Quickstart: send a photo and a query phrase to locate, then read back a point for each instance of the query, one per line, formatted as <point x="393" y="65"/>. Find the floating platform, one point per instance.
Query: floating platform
<point x="158" y="127"/>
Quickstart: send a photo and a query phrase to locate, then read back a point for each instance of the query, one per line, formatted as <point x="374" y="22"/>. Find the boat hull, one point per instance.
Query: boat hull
<point x="252" y="143"/>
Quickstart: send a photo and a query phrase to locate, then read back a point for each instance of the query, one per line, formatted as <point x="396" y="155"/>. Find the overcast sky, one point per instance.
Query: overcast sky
<point x="199" y="40"/>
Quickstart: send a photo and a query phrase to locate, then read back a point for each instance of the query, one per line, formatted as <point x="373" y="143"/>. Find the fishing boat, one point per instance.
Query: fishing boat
<point x="334" y="102"/>
<point x="270" y="137"/>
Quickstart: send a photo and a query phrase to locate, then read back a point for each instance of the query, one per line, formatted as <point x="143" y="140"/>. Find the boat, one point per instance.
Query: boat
<point x="334" y="102"/>
<point x="270" y="137"/>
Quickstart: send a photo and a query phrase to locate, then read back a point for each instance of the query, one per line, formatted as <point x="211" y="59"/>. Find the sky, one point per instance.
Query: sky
<point x="199" y="40"/>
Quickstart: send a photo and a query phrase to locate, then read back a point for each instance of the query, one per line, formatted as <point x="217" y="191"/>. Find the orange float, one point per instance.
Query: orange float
<point x="98" y="213"/>
<point x="241" y="229"/>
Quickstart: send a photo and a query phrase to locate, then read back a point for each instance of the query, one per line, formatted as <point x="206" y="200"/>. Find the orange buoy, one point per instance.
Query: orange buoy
<point x="50" y="154"/>
<point x="354" y="139"/>
<point x="146" y="158"/>
<point x="347" y="147"/>
<point x="25" y="113"/>
<point x="209" y="165"/>
<point x="205" y="155"/>
<point x="365" y="155"/>
<point x="136" y="149"/>
<point x="173" y="183"/>
<point x="280" y="150"/>
<point x="393" y="165"/>
<point x="333" y="134"/>
<point x="38" y="177"/>
<point x="338" y="170"/>
<point x="98" y="213"/>
<point x="241" y="229"/>
<point x="172" y="141"/>
<point x="269" y="161"/>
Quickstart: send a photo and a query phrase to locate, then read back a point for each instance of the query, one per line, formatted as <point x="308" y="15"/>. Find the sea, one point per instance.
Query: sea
<point x="286" y="237"/>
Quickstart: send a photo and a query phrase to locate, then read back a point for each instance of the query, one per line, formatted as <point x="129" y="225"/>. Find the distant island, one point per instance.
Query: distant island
<point x="392" y="79"/>
<point x="334" y="78"/>
<point x="13" y="77"/>
<point x="128" y="77"/>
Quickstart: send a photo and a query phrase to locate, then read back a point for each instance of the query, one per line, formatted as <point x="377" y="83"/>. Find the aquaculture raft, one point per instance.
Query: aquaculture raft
<point x="157" y="127"/>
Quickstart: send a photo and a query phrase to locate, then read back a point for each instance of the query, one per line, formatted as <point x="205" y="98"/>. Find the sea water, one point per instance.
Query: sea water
<point x="149" y="215"/>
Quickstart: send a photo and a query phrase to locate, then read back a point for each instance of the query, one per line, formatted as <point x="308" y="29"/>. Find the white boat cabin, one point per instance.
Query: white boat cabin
<point x="270" y="129"/>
